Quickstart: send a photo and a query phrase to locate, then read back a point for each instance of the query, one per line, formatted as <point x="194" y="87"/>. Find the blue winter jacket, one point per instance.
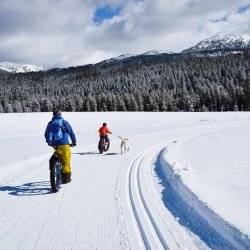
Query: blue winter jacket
<point x="67" y="131"/>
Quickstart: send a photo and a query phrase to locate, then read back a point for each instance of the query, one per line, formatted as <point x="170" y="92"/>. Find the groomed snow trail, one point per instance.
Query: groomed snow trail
<point x="114" y="201"/>
<point x="155" y="229"/>
<point x="151" y="236"/>
<point x="192" y="213"/>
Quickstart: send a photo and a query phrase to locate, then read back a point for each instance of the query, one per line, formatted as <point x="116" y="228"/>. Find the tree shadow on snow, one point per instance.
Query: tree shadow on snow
<point x="28" y="189"/>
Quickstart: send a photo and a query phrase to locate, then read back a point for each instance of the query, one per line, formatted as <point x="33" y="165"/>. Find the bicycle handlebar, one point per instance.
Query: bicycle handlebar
<point x="71" y="145"/>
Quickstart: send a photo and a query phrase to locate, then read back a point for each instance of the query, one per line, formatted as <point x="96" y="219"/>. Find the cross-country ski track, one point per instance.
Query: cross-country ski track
<point x="138" y="200"/>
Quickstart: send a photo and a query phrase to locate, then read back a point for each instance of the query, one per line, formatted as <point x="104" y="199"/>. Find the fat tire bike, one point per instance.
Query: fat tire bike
<point x="55" y="166"/>
<point x="103" y="145"/>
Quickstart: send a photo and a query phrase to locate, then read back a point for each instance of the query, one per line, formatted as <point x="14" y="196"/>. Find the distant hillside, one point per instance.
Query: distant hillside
<point x="20" y="68"/>
<point x="127" y="57"/>
<point x="200" y="81"/>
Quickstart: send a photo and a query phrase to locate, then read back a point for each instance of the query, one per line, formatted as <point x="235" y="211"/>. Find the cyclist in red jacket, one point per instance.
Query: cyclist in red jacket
<point x="103" y="132"/>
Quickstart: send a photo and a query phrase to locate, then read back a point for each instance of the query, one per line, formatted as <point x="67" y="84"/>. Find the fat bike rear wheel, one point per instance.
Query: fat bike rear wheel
<point x="101" y="145"/>
<point x="55" y="175"/>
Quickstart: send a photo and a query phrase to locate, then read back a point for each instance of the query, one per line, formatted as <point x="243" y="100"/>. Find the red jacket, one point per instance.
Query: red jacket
<point x="104" y="131"/>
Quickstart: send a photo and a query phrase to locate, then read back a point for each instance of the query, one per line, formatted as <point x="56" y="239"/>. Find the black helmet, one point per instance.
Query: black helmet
<point x="57" y="111"/>
<point x="104" y="124"/>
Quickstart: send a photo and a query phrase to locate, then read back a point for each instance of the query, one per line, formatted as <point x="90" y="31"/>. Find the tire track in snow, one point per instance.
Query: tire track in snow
<point x="60" y="216"/>
<point x="44" y="223"/>
<point x="51" y="222"/>
<point x="155" y="230"/>
<point x="121" y="217"/>
<point x="75" y="234"/>
<point x="150" y="234"/>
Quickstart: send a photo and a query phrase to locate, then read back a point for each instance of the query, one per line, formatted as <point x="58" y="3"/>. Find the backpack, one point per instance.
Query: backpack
<point x="56" y="130"/>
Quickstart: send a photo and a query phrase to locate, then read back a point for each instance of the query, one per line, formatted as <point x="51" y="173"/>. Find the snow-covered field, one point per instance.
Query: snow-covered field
<point x="184" y="184"/>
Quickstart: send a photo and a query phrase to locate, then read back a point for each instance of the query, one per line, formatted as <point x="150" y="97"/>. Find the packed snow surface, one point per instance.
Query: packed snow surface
<point x="184" y="184"/>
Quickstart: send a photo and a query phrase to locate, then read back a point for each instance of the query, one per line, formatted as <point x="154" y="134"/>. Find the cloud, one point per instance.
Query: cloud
<point x="244" y="8"/>
<point x="64" y="33"/>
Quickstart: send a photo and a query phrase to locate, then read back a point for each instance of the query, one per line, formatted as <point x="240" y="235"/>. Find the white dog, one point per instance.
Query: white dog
<point x="124" y="145"/>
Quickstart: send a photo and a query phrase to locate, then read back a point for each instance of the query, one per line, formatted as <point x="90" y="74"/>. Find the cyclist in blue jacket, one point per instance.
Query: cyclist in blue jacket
<point x="57" y="135"/>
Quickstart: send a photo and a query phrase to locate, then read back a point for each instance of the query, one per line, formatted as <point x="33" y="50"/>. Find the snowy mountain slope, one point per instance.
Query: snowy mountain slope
<point x="238" y="39"/>
<point x="118" y="58"/>
<point x="131" y="56"/>
<point x="123" y="202"/>
<point x="3" y="72"/>
<point x="156" y="52"/>
<point x="20" y="68"/>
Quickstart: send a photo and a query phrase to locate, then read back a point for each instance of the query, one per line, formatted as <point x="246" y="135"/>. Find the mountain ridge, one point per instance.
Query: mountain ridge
<point x="237" y="39"/>
<point x="13" y="68"/>
<point x="223" y="42"/>
<point x="129" y="56"/>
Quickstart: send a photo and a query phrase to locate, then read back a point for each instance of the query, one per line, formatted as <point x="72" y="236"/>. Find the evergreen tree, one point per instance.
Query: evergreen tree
<point x="1" y="108"/>
<point x="8" y="108"/>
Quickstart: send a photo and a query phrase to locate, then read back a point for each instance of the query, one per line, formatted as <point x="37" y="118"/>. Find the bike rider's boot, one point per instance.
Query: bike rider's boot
<point x="66" y="178"/>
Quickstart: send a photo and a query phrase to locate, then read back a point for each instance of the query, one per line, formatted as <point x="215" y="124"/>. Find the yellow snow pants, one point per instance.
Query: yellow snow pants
<point x="65" y="156"/>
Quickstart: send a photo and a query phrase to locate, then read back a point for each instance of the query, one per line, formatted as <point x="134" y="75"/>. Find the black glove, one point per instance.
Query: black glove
<point x="73" y="144"/>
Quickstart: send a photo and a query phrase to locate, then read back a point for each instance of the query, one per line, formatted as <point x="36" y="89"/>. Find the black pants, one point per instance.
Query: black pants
<point x="106" y="138"/>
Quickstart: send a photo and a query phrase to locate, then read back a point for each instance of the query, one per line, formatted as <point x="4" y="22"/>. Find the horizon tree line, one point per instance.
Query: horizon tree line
<point x="164" y="83"/>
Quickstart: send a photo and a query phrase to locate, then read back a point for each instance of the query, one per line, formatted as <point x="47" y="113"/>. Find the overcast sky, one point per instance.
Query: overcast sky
<point x="77" y="32"/>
